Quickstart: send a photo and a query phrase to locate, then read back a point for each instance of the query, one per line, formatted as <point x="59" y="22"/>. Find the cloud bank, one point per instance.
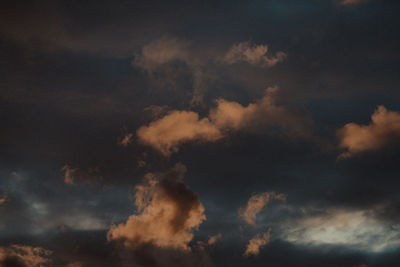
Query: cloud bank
<point x="20" y="255"/>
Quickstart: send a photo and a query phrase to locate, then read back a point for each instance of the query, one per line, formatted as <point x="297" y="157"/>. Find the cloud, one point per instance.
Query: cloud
<point x="73" y="176"/>
<point x="214" y="239"/>
<point x="352" y="2"/>
<point x="253" y="54"/>
<point x="126" y="138"/>
<point x="20" y="255"/>
<point x="178" y="127"/>
<point x="357" y="229"/>
<point x="168" y="212"/>
<point x="384" y="129"/>
<point x="261" y="114"/>
<point x="3" y="198"/>
<point x="256" y="203"/>
<point x="160" y="52"/>
<point x="256" y="243"/>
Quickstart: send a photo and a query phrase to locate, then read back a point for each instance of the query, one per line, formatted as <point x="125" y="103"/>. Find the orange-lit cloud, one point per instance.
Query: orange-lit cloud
<point x="256" y="203"/>
<point x="73" y="176"/>
<point x="20" y="255"/>
<point x="168" y="212"/>
<point x="383" y="130"/>
<point x="178" y="127"/>
<point x="256" y="243"/>
<point x="253" y="54"/>
<point x="214" y="239"/>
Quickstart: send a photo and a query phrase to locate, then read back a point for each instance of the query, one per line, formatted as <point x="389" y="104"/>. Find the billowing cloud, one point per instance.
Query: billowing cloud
<point x="256" y="203"/>
<point x="168" y="212"/>
<point x="384" y="129"/>
<point x="253" y="54"/>
<point x="214" y="239"/>
<point x="73" y="176"/>
<point x="357" y="229"/>
<point x="20" y="255"/>
<point x="352" y="2"/>
<point x="178" y="127"/>
<point x="256" y="243"/>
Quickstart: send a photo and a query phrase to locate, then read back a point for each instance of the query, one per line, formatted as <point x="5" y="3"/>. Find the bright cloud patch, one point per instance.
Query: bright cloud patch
<point x="354" y="229"/>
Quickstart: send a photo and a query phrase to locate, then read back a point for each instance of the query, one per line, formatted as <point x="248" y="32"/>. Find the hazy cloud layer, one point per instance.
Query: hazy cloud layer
<point x="73" y="176"/>
<point x="355" y="229"/>
<point x="383" y="130"/>
<point x="168" y="212"/>
<point x="253" y="54"/>
<point x="256" y="203"/>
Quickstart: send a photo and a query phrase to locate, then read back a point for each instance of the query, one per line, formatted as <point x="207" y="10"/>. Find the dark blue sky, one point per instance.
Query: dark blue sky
<point x="79" y="77"/>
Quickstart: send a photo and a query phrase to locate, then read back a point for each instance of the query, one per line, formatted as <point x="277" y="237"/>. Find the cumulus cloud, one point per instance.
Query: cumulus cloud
<point x="253" y="54"/>
<point x="168" y="212"/>
<point x="357" y="229"/>
<point x="178" y="127"/>
<point x="73" y="176"/>
<point x="383" y="129"/>
<point x="352" y="2"/>
<point x="256" y="203"/>
<point x="256" y="243"/>
<point x="20" y="255"/>
<point x="214" y="239"/>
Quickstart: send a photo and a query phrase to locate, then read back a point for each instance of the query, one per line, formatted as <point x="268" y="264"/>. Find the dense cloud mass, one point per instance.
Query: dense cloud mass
<point x="383" y="130"/>
<point x="283" y="117"/>
<point x="168" y="212"/>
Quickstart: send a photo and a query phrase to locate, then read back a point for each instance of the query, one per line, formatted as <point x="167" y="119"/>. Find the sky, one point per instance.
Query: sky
<point x="200" y="133"/>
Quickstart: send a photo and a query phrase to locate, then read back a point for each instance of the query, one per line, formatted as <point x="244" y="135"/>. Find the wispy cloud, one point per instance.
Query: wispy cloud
<point x="256" y="203"/>
<point x="256" y="243"/>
